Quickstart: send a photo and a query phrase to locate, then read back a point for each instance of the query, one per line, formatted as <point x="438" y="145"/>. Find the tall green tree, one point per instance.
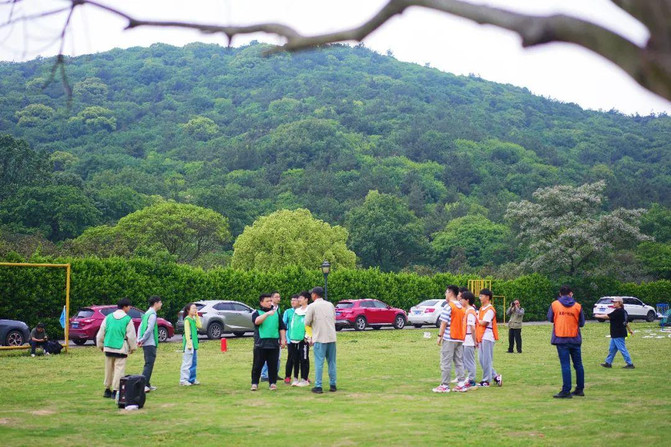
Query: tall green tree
<point x="286" y="238"/>
<point x="385" y="233"/>
<point x="20" y="165"/>
<point x="566" y="231"/>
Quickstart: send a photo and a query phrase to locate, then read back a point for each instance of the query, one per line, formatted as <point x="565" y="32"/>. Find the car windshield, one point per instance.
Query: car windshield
<point x="84" y="313"/>
<point x="605" y="300"/>
<point x="344" y="305"/>
<point x="428" y="303"/>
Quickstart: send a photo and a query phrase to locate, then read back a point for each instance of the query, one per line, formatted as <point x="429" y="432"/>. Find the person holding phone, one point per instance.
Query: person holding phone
<point x="515" y="314"/>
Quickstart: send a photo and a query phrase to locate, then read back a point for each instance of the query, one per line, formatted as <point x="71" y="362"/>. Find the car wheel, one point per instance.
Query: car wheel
<point x="650" y="317"/>
<point x="360" y="323"/>
<point x="417" y="325"/>
<point x="214" y="330"/>
<point x="79" y="341"/>
<point x="399" y="322"/>
<point x="338" y="328"/>
<point x="600" y="320"/>
<point x="239" y="334"/>
<point x="377" y="328"/>
<point x="14" y="338"/>
<point x="162" y="334"/>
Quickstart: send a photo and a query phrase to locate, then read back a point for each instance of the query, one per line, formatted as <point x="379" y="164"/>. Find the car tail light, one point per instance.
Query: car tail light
<point x="88" y="320"/>
<point x="429" y="310"/>
<point x="200" y="314"/>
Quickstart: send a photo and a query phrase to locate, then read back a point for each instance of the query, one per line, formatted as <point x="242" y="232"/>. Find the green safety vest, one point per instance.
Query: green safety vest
<point x="145" y="322"/>
<point x="115" y="331"/>
<point x="194" y="333"/>
<point x="297" y="331"/>
<point x="270" y="328"/>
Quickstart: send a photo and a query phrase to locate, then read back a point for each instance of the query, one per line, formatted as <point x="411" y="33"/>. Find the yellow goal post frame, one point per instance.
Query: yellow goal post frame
<point x="67" y="298"/>
<point x="476" y="285"/>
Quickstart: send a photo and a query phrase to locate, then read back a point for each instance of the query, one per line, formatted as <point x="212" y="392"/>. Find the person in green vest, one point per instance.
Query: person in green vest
<point x="190" y="346"/>
<point x="269" y="337"/>
<point x="287" y="317"/>
<point x="147" y="338"/>
<point x="116" y="338"/>
<point x="299" y="346"/>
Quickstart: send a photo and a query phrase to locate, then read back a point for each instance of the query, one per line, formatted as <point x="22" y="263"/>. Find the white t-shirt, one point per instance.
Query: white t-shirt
<point x="489" y="316"/>
<point x="471" y="320"/>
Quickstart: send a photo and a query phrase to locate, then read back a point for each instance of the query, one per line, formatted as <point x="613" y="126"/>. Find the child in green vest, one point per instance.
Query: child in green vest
<point x="147" y="338"/>
<point x="116" y="338"/>
<point x="269" y="336"/>
<point x="287" y="317"/>
<point x="299" y="348"/>
<point x="190" y="346"/>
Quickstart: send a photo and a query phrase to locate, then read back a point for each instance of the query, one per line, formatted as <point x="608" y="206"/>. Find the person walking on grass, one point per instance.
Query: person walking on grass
<point x="451" y="339"/>
<point x="38" y="339"/>
<point x="299" y="336"/>
<point x="320" y="315"/>
<point x="287" y="318"/>
<point x="618" y="333"/>
<point x="486" y="334"/>
<point x="515" y="314"/>
<point x="276" y="298"/>
<point x="567" y="317"/>
<point x="269" y="337"/>
<point x="116" y="338"/>
<point x="147" y="339"/>
<point x="190" y="346"/>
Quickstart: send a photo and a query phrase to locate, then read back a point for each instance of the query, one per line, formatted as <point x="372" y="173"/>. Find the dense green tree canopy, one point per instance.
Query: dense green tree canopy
<point x="286" y="238"/>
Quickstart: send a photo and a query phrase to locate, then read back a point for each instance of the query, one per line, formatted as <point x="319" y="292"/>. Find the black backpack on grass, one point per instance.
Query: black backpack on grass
<point x="131" y="391"/>
<point x="53" y="347"/>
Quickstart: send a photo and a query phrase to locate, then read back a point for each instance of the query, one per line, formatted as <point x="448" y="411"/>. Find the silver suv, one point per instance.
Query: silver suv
<point x="221" y="316"/>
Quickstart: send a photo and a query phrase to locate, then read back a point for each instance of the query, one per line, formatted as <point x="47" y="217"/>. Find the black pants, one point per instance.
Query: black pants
<point x="262" y="356"/>
<point x="149" y="359"/>
<point x="37" y="344"/>
<point x="299" y="360"/>
<point x="515" y="336"/>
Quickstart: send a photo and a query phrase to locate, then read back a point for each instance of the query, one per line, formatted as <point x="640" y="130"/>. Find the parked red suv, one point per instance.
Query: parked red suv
<point x="84" y="326"/>
<point x="361" y="313"/>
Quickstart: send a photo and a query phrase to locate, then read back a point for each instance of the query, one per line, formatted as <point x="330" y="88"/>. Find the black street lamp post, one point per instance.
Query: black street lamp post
<point x="326" y="269"/>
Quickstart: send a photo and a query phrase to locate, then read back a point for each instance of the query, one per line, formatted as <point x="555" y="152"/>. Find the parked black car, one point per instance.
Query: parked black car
<point x="14" y="333"/>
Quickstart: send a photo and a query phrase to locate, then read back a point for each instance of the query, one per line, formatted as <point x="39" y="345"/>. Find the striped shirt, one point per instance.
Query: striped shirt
<point x="446" y="316"/>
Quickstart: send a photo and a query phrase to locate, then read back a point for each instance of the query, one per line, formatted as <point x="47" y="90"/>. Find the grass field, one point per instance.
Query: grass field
<point x="384" y="398"/>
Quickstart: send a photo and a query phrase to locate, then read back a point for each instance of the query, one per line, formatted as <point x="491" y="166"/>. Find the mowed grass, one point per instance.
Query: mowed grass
<point x="384" y="398"/>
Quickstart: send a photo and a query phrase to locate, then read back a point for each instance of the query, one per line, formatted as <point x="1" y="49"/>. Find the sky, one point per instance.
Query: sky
<point x="559" y="71"/>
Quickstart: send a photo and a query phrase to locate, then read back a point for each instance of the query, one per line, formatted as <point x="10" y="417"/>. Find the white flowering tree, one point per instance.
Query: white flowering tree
<point x="565" y="230"/>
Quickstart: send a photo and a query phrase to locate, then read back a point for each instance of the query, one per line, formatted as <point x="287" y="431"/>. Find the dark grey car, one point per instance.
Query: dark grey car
<point x="221" y="316"/>
<point x="14" y="333"/>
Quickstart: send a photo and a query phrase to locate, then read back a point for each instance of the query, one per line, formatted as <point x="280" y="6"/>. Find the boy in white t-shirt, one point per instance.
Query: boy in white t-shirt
<point x="487" y="333"/>
<point x="467" y="301"/>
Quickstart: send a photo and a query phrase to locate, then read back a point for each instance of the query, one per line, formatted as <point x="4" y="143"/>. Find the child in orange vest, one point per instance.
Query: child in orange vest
<point x="486" y="335"/>
<point x="451" y="338"/>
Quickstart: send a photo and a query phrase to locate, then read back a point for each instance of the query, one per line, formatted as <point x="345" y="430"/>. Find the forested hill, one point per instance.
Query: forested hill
<point x="243" y="134"/>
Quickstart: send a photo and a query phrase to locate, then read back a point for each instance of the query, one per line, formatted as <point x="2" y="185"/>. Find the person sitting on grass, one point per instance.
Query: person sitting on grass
<point x="38" y="339"/>
<point x="190" y="346"/>
<point x="116" y="338"/>
<point x="618" y="333"/>
<point x="269" y="337"/>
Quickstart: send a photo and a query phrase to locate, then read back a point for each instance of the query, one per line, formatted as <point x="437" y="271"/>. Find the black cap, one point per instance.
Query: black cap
<point x="40" y="325"/>
<point x="319" y="291"/>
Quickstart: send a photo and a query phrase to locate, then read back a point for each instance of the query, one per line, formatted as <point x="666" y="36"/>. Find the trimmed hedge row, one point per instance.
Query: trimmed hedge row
<point x="38" y="294"/>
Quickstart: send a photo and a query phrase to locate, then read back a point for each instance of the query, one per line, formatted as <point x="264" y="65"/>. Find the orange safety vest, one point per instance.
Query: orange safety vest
<point x="457" y="327"/>
<point x="566" y="319"/>
<point x="480" y="329"/>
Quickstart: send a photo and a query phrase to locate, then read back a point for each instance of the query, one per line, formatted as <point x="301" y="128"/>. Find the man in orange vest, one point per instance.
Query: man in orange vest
<point x="451" y="339"/>
<point x="567" y="317"/>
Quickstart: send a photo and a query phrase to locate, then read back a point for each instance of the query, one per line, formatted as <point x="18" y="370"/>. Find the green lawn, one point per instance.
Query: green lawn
<point x="384" y="398"/>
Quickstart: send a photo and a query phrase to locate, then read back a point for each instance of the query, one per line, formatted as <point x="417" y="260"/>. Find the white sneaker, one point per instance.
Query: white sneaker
<point x="185" y="383"/>
<point x="303" y="383"/>
<point x="454" y="381"/>
<point x="47" y="353"/>
<point x="32" y="355"/>
<point x="152" y="388"/>
<point x="499" y="380"/>
<point x="195" y="382"/>
<point x="441" y="389"/>
<point x="294" y="382"/>
<point x="147" y="389"/>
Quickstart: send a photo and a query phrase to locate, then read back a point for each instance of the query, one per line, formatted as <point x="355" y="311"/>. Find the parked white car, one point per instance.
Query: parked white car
<point x="635" y="308"/>
<point x="426" y="312"/>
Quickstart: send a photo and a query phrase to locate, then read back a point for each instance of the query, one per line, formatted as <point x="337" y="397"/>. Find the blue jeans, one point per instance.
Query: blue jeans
<point x="328" y="351"/>
<point x="571" y="352"/>
<point x="189" y="363"/>
<point x="617" y="344"/>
